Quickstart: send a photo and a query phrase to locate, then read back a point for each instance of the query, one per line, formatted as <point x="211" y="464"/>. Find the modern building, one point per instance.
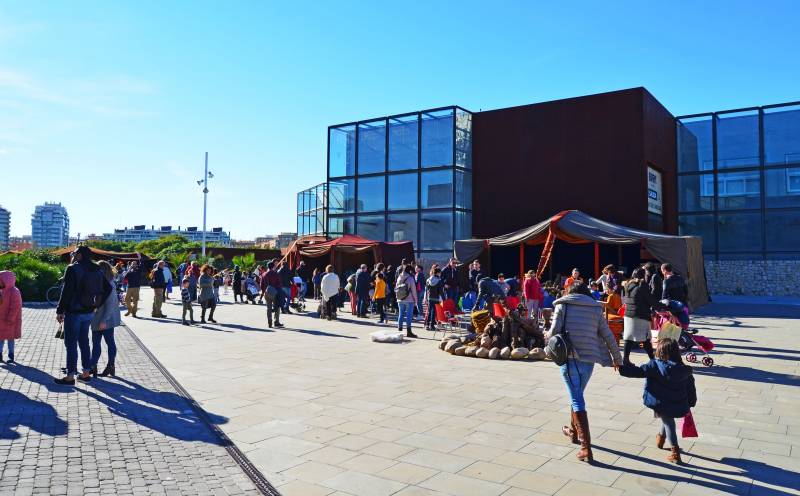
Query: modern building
<point x="403" y="177"/>
<point x="285" y="240"/>
<point x="50" y="226"/>
<point x="5" y="228"/>
<point x="732" y="177"/>
<point x="266" y="241"/>
<point x="312" y="211"/>
<point x="141" y="233"/>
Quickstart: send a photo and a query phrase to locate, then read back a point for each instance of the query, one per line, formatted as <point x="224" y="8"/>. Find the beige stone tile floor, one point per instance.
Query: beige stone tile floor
<point x="320" y="409"/>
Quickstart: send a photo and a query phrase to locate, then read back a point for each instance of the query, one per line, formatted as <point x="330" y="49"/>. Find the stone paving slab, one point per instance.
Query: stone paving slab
<point x="134" y="434"/>
<point x="320" y="409"/>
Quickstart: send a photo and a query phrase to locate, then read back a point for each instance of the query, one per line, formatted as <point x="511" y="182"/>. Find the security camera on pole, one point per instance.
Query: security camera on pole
<point x="204" y="183"/>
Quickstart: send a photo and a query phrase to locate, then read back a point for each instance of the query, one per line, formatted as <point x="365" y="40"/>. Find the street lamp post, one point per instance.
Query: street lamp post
<point x="204" y="183"/>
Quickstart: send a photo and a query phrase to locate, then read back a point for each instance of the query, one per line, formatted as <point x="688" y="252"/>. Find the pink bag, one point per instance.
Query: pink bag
<point x="688" y="427"/>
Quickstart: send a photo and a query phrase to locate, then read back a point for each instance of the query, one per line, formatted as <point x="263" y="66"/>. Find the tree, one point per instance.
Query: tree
<point x="246" y="262"/>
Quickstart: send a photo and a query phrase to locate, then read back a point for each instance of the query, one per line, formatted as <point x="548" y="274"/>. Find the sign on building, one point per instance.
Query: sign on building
<point x="654" y="197"/>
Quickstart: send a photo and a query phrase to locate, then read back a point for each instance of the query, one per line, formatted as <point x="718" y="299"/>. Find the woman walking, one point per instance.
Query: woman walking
<point x="10" y="313"/>
<point x="206" y="296"/>
<point x="406" y="293"/>
<point x="580" y="317"/>
<point x="637" y="298"/>
<point x="105" y="319"/>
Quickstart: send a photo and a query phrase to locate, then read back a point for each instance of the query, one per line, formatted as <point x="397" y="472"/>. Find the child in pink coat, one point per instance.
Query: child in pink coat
<point x="10" y="313"/>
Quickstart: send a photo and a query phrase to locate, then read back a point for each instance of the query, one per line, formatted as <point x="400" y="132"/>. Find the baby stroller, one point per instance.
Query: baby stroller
<point x="322" y="310"/>
<point x="294" y="301"/>
<point x="686" y="341"/>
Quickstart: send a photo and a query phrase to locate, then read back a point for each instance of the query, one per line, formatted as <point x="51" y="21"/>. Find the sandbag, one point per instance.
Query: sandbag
<point x="387" y="336"/>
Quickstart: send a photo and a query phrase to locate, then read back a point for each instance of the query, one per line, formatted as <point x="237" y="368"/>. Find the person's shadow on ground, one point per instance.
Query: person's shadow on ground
<point x="161" y="411"/>
<point x="42" y="378"/>
<point x="17" y="409"/>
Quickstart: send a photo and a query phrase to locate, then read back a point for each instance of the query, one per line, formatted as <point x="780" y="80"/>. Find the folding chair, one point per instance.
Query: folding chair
<point x="445" y="322"/>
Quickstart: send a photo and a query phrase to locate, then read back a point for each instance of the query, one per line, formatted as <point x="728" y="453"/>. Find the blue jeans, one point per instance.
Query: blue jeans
<point x="108" y="336"/>
<point x="288" y="298"/>
<point x="668" y="430"/>
<point x="406" y="312"/>
<point x="363" y="304"/>
<point x="576" y="375"/>
<point x="76" y="335"/>
<point x="10" y="346"/>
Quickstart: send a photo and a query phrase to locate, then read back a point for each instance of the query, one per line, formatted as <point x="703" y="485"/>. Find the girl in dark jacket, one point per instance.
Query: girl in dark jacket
<point x="668" y="390"/>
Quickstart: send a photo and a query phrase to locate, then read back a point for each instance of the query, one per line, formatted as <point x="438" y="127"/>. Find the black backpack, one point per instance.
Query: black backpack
<point x="91" y="289"/>
<point x="559" y="347"/>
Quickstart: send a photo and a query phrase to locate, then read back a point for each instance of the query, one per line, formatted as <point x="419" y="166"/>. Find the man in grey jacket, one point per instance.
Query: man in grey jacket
<point x="580" y="317"/>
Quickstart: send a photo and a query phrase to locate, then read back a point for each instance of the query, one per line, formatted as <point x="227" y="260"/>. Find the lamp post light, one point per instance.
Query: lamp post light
<point x="204" y="183"/>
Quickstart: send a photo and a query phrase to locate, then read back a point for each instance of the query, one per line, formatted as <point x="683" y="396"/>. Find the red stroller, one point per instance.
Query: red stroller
<point x="688" y="344"/>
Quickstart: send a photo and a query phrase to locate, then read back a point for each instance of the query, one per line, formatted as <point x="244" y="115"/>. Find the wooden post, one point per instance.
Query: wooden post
<point x="521" y="261"/>
<point x="596" y="260"/>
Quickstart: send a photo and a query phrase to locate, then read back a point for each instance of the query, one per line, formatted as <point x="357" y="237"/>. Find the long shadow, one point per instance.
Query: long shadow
<point x="161" y="411"/>
<point x="243" y="327"/>
<point x="42" y="378"/>
<point x="748" y="374"/>
<point x="758" y="348"/>
<point x="728" y="310"/>
<point x="756" y="355"/>
<point x="711" y="478"/>
<point x="733" y="339"/>
<point x="17" y="409"/>
<point x="318" y="333"/>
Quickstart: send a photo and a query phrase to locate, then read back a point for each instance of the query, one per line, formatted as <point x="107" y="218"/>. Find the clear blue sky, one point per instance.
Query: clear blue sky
<point x="108" y="107"/>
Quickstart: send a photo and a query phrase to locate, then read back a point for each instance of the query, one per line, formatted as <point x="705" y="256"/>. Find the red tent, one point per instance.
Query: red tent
<point x="347" y="252"/>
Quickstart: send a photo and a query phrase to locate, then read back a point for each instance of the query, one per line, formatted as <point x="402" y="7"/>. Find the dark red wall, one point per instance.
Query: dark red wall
<point x="588" y="153"/>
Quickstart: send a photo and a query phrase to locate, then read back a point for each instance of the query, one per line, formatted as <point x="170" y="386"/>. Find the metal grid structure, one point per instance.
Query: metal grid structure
<point x="739" y="181"/>
<point x="312" y="211"/>
<point x="401" y="177"/>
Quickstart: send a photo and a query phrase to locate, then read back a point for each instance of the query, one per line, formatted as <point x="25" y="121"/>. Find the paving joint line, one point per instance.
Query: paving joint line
<point x="241" y="459"/>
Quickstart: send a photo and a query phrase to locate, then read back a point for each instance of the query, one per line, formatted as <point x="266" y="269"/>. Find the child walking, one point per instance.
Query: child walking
<point x="10" y="313"/>
<point x="186" y="296"/>
<point x="668" y="390"/>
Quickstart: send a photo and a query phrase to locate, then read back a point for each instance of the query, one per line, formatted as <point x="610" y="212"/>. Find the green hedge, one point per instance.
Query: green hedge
<point x="34" y="276"/>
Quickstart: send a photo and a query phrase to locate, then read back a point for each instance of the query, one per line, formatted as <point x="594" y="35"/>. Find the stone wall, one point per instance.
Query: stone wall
<point x="754" y="277"/>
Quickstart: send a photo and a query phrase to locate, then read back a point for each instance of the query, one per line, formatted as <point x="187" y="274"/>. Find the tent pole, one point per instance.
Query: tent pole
<point x="596" y="260"/>
<point x="489" y="261"/>
<point x="521" y="260"/>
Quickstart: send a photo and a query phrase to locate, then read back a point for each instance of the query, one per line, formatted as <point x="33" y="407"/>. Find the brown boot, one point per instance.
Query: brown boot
<point x="584" y="436"/>
<point x="660" y="438"/>
<point x="570" y="431"/>
<point x="675" y="456"/>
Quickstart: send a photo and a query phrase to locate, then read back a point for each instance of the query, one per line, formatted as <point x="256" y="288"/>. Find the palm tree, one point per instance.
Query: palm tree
<point x="246" y="262"/>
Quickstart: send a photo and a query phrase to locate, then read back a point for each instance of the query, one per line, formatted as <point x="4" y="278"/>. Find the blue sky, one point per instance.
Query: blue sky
<point x="109" y="107"/>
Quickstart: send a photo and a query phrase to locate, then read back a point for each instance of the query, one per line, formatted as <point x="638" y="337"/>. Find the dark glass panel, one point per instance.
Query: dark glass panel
<point x="371" y="194"/>
<point x="403" y="227"/>
<point x="738" y="190"/>
<point x="403" y="191"/>
<point x="463" y="139"/>
<point x="783" y="230"/>
<point x="342" y="196"/>
<point x="342" y="150"/>
<point x="699" y="225"/>
<point x="783" y="187"/>
<point x="371" y="227"/>
<point x="695" y="145"/>
<point x="437" y="231"/>
<point x="463" y="189"/>
<point x="437" y="138"/>
<point x="739" y="231"/>
<point x="737" y="140"/>
<point x="372" y="147"/>
<point x="403" y="143"/>
<point x="782" y="136"/>
<point x="463" y="225"/>
<point x="437" y="189"/>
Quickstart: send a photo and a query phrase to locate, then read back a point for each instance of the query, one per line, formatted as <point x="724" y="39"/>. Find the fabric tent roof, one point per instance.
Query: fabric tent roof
<point x="348" y="244"/>
<point x="574" y="226"/>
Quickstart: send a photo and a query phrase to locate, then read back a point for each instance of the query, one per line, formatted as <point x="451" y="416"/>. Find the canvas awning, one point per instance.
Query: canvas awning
<point x="685" y="253"/>
<point x="347" y="250"/>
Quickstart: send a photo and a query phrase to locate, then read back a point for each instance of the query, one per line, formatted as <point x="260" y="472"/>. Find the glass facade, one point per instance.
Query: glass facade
<point x="739" y="182"/>
<point x="403" y="177"/>
<point x="312" y="211"/>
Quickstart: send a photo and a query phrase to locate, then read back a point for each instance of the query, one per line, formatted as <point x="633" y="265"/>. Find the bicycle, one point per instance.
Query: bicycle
<point x="53" y="294"/>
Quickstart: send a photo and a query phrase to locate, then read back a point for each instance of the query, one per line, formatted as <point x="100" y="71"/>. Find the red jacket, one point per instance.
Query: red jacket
<point x="10" y="307"/>
<point x="533" y="290"/>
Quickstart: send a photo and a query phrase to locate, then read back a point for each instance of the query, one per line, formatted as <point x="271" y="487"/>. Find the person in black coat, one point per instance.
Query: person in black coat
<point x="237" y="285"/>
<point x="674" y="286"/>
<point x="362" y="290"/>
<point x="654" y="280"/>
<point x="638" y="301"/>
<point x="668" y="390"/>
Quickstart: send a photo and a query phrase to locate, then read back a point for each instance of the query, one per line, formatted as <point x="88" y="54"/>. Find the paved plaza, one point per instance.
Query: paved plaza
<point x="319" y="409"/>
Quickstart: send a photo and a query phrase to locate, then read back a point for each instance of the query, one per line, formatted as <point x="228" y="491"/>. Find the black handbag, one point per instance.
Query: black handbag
<point x="559" y="347"/>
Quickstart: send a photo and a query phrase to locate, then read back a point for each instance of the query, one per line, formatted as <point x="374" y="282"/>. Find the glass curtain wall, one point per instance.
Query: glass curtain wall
<point x="403" y="178"/>
<point x="312" y="211"/>
<point x="739" y="182"/>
